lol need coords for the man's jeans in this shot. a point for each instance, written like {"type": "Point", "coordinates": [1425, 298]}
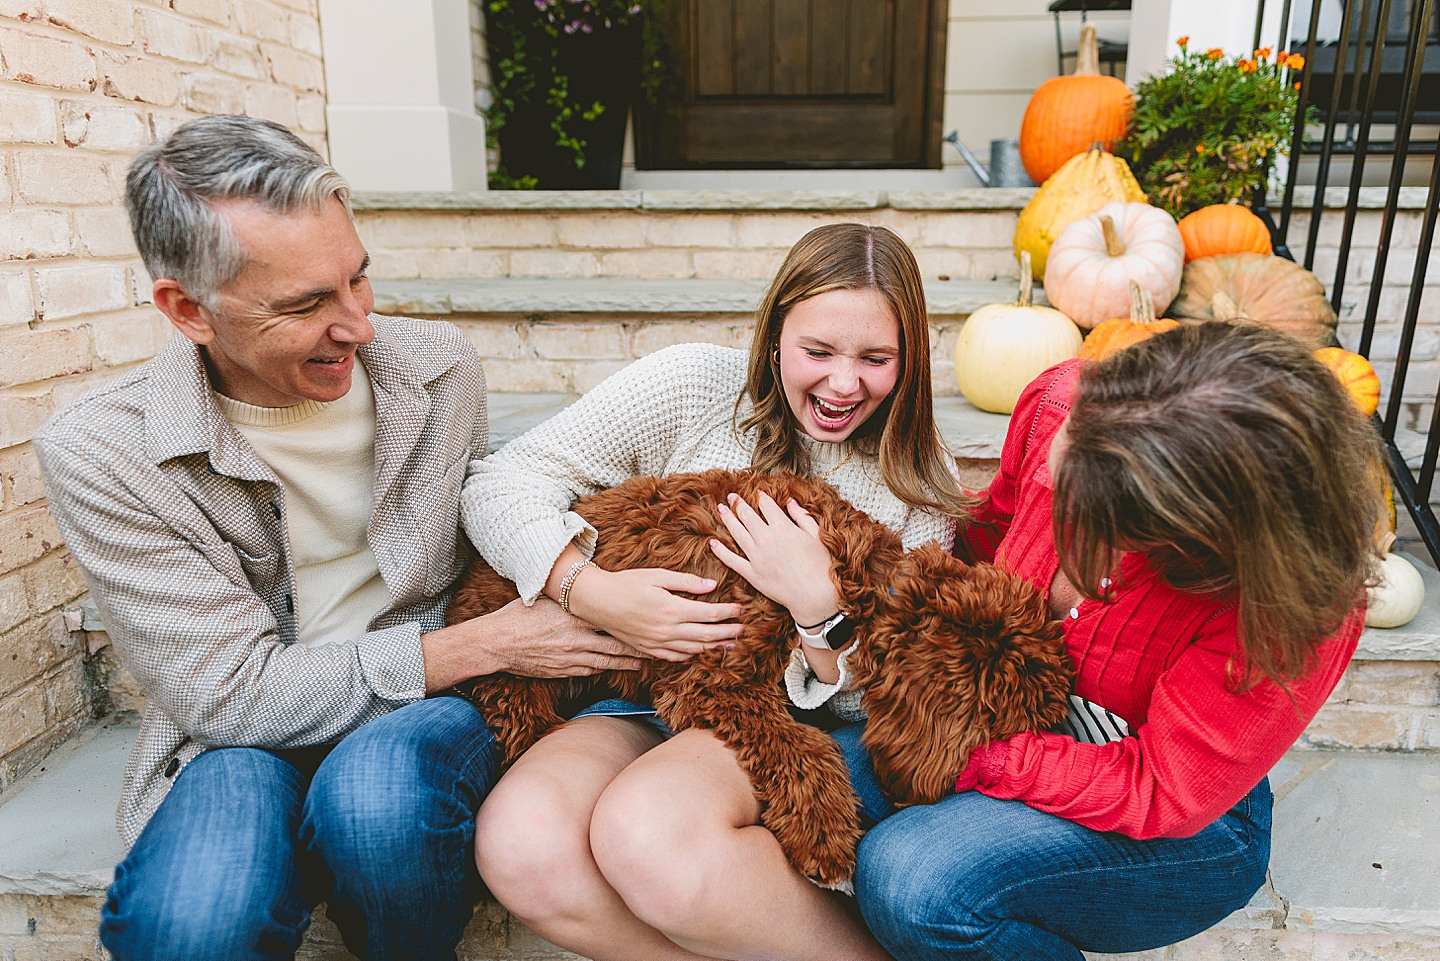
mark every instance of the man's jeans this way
{"type": "Point", "coordinates": [247, 842]}
{"type": "Point", "coordinates": [973, 877]}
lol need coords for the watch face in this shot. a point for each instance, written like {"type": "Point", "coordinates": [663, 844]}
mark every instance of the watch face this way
{"type": "Point", "coordinates": [838, 637]}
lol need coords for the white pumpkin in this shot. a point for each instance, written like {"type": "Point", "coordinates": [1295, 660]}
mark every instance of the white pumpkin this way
{"type": "Point", "coordinates": [1003, 347]}
{"type": "Point", "coordinates": [1397, 596]}
{"type": "Point", "coordinates": [1092, 262]}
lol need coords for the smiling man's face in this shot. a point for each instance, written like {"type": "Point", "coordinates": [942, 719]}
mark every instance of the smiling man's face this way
{"type": "Point", "coordinates": [287, 329]}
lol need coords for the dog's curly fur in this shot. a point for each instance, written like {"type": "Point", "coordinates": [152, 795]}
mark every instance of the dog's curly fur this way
{"type": "Point", "coordinates": [950, 656]}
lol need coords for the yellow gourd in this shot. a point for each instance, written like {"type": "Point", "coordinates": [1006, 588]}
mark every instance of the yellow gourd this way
{"type": "Point", "coordinates": [1003, 347]}
{"type": "Point", "coordinates": [1084, 184]}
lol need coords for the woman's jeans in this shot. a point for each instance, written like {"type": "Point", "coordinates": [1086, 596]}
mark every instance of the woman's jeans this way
{"type": "Point", "coordinates": [973, 877]}
{"type": "Point", "coordinates": [248, 841]}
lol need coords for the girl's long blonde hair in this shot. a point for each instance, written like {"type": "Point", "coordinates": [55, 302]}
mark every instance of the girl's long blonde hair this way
{"type": "Point", "coordinates": [913, 460]}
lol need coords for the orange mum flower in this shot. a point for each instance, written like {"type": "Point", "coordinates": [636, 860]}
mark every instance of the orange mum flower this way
{"type": "Point", "coordinates": [1297, 85]}
{"type": "Point", "coordinates": [1199, 148]}
{"type": "Point", "coordinates": [1262, 54]}
{"type": "Point", "coordinates": [1296, 62]}
{"type": "Point", "coordinates": [1281, 60]}
{"type": "Point", "coordinates": [1247, 66]}
{"type": "Point", "coordinates": [1183, 41]}
{"type": "Point", "coordinates": [1214, 53]}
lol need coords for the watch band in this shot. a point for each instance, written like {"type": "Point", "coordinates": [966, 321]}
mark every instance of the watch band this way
{"type": "Point", "coordinates": [833, 634]}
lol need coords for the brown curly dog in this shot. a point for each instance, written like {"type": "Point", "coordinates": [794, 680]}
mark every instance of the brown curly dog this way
{"type": "Point", "coordinates": [950, 656]}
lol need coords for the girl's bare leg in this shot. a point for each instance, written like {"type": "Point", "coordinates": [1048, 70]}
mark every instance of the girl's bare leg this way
{"type": "Point", "coordinates": [532, 842]}
{"type": "Point", "coordinates": [678, 835]}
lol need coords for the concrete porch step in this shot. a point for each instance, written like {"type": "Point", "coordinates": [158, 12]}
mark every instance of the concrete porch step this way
{"type": "Point", "coordinates": [567, 334]}
{"type": "Point", "coordinates": [1353, 868]}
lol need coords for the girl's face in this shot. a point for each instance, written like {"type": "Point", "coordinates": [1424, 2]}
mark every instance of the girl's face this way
{"type": "Point", "coordinates": [839, 360]}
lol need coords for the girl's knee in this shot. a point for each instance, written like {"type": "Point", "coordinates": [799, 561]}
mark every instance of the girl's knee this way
{"type": "Point", "coordinates": [532, 849]}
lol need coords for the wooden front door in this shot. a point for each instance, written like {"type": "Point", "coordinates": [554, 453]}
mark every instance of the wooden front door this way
{"type": "Point", "coordinates": [799, 83]}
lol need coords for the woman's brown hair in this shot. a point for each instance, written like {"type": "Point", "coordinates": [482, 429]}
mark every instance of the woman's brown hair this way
{"type": "Point", "coordinates": [1237, 462]}
{"type": "Point", "coordinates": [913, 460]}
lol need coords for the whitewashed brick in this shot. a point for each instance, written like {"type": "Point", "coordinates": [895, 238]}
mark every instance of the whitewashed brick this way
{"type": "Point", "coordinates": [20, 471]}
{"type": "Point", "coordinates": [739, 264]}
{"type": "Point", "coordinates": [22, 718]}
{"type": "Point", "coordinates": [648, 338]}
{"type": "Point", "coordinates": [32, 356]}
{"type": "Point", "coordinates": [305, 34]}
{"type": "Point", "coordinates": [129, 337]}
{"type": "Point", "coordinates": [529, 375]}
{"type": "Point", "coordinates": [26, 118]}
{"type": "Point", "coordinates": [256, 18]}
{"type": "Point", "coordinates": [104, 232]}
{"type": "Point", "coordinates": [75, 291]}
{"type": "Point", "coordinates": [652, 264]}
{"type": "Point", "coordinates": [215, 11]}
{"type": "Point", "coordinates": [140, 78]}
{"type": "Point", "coordinates": [64, 178]}
{"type": "Point", "coordinates": [505, 230]}
{"type": "Point", "coordinates": [31, 232]}
{"type": "Point", "coordinates": [777, 230]}
{"type": "Point", "coordinates": [492, 340]}
{"type": "Point", "coordinates": [578, 341]}
{"type": "Point", "coordinates": [176, 38]}
{"type": "Point", "coordinates": [207, 93]}
{"type": "Point", "coordinates": [100, 126]}
{"type": "Point", "coordinates": [25, 536]}
{"type": "Point", "coordinates": [311, 111]}
{"type": "Point", "coordinates": [299, 6]}
{"type": "Point", "coordinates": [414, 231]}
{"type": "Point", "coordinates": [690, 230]}
{"type": "Point", "coordinates": [165, 122]}
{"type": "Point", "coordinates": [240, 56]}
{"type": "Point", "coordinates": [20, 9]}
{"type": "Point", "coordinates": [142, 285]}
{"type": "Point", "coordinates": [22, 412]}
{"type": "Point", "coordinates": [46, 61]}
{"type": "Point", "coordinates": [969, 229]}
{"type": "Point", "coordinates": [552, 263]}
{"type": "Point", "coordinates": [110, 20]}
{"type": "Point", "coordinates": [294, 69]}
{"type": "Point", "coordinates": [600, 230]}
{"type": "Point", "coordinates": [14, 600]}
{"type": "Point", "coordinates": [7, 179]}
{"type": "Point", "coordinates": [589, 373]}
{"type": "Point", "coordinates": [52, 581]}
{"type": "Point", "coordinates": [270, 102]}
{"type": "Point", "coordinates": [16, 304]}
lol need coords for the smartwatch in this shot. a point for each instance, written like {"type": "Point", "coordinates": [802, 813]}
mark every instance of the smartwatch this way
{"type": "Point", "coordinates": [833, 635]}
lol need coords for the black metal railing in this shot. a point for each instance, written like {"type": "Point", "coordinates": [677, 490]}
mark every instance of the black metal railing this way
{"type": "Point", "coordinates": [1381, 69]}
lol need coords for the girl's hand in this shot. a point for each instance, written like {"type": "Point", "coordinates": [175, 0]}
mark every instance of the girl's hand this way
{"type": "Point", "coordinates": [782, 556]}
{"type": "Point", "coordinates": [642, 609]}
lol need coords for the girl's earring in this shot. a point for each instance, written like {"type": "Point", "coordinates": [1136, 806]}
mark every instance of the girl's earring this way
{"type": "Point", "coordinates": [775, 357]}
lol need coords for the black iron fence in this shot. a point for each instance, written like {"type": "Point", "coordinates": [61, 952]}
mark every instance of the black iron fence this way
{"type": "Point", "coordinates": [1374, 83]}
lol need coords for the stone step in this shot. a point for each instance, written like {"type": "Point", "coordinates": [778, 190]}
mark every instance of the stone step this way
{"type": "Point", "coordinates": [567, 334]}
{"type": "Point", "coordinates": [1353, 872]}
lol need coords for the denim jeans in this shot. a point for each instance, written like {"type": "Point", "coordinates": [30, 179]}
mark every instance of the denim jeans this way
{"type": "Point", "coordinates": [974, 877]}
{"type": "Point", "coordinates": [248, 841]}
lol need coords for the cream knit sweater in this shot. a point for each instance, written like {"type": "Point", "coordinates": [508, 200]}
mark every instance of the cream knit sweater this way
{"type": "Point", "coordinates": [668, 413]}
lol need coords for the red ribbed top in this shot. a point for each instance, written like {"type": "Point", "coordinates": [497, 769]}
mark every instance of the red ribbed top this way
{"type": "Point", "coordinates": [1160, 658]}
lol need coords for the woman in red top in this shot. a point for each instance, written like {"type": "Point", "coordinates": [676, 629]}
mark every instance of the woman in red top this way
{"type": "Point", "coordinates": [1200, 511]}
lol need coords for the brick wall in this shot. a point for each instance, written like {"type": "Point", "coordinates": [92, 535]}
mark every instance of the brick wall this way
{"type": "Point", "coordinates": [83, 85]}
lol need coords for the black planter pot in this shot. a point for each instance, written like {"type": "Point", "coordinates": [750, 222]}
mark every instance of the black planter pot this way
{"type": "Point", "coordinates": [604, 67]}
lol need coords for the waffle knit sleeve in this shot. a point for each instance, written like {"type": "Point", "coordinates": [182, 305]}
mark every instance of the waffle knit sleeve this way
{"type": "Point", "coordinates": [516, 503]}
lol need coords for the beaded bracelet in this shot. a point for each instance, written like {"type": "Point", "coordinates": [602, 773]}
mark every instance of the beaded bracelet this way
{"type": "Point", "coordinates": [569, 582]}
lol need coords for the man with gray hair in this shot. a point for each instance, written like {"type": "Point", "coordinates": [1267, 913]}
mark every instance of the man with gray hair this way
{"type": "Point", "coordinates": [267, 517]}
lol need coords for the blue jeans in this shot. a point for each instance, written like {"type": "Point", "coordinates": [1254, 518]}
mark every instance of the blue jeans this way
{"type": "Point", "coordinates": [248, 841]}
{"type": "Point", "coordinates": [973, 877]}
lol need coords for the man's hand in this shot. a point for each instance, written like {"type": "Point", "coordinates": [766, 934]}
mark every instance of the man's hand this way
{"type": "Point", "coordinates": [538, 641]}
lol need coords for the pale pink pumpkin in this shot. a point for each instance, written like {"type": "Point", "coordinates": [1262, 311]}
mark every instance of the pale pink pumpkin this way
{"type": "Point", "coordinates": [1091, 264]}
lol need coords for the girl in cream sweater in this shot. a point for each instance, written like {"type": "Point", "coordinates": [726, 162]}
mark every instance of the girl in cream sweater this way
{"type": "Point", "coordinates": [609, 838]}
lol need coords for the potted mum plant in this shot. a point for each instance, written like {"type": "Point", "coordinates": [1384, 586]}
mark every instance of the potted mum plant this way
{"type": "Point", "coordinates": [1209, 129]}
{"type": "Point", "coordinates": [563, 76]}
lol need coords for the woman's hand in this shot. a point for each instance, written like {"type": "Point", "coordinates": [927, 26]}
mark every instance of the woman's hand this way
{"type": "Point", "coordinates": [782, 556]}
{"type": "Point", "coordinates": [643, 609]}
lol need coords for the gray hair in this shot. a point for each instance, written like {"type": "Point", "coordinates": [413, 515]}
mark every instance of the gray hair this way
{"type": "Point", "coordinates": [173, 185]}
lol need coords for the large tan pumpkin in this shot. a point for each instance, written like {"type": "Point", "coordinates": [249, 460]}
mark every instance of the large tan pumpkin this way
{"type": "Point", "coordinates": [1068, 114]}
{"type": "Point", "coordinates": [1268, 290]}
{"type": "Point", "coordinates": [1079, 188]}
{"type": "Point", "coordinates": [1096, 258]}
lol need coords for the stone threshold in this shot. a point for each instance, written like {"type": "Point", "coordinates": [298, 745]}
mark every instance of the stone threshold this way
{"type": "Point", "coordinates": [628, 295]}
{"type": "Point", "coordinates": [972, 198]}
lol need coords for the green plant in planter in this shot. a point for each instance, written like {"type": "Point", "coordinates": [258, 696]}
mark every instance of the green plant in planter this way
{"type": "Point", "coordinates": [564, 71]}
{"type": "Point", "coordinates": [1208, 130]}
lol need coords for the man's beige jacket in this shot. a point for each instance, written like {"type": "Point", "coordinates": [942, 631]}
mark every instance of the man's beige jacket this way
{"type": "Point", "coordinates": [180, 530]}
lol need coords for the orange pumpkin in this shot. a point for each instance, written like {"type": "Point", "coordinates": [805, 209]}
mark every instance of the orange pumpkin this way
{"type": "Point", "coordinates": [1067, 114]}
{"type": "Point", "coordinates": [1113, 336]}
{"type": "Point", "coordinates": [1223, 229]}
{"type": "Point", "coordinates": [1355, 372]}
